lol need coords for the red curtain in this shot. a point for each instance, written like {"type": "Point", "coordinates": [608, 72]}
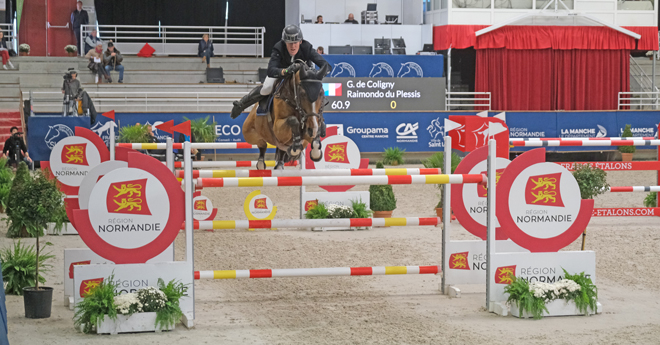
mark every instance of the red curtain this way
{"type": "Point", "coordinates": [547, 79]}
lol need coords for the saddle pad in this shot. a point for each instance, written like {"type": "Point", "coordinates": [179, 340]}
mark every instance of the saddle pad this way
{"type": "Point", "coordinates": [263, 111]}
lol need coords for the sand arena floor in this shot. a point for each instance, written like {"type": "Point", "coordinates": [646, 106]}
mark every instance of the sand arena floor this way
{"type": "Point", "coordinates": [376, 310]}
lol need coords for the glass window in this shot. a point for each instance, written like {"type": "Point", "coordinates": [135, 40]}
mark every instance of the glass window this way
{"type": "Point", "coordinates": [471, 3]}
{"type": "Point", "coordinates": [436, 5]}
{"type": "Point", "coordinates": [645, 5]}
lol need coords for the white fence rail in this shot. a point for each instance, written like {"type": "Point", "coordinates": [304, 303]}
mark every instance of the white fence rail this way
{"type": "Point", "coordinates": [10, 35]}
{"type": "Point", "coordinates": [639, 100]}
{"type": "Point", "coordinates": [467, 100]}
{"type": "Point", "coordinates": [181, 40]}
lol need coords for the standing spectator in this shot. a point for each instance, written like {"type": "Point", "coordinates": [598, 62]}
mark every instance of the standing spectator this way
{"type": "Point", "coordinates": [112, 60]}
{"type": "Point", "coordinates": [78, 17]}
{"type": "Point", "coordinates": [4, 51]}
{"type": "Point", "coordinates": [91, 41]}
{"type": "Point", "coordinates": [15, 149]}
{"type": "Point", "coordinates": [95, 65]}
{"type": "Point", "coordinates": [351, 19]}
{"type": "Point", "coordinates": [319, 50]}
{"type": "Point", "coordinates": [319, 19]}
{"type": "Point", "coordinates": [205, 50]}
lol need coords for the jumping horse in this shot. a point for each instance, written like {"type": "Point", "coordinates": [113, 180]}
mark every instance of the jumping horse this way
{"type": "Point", "coordinates": [294, 120]}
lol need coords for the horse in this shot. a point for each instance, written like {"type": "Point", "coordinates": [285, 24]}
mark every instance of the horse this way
{"type": "Point", "coordinates": [294, 120]}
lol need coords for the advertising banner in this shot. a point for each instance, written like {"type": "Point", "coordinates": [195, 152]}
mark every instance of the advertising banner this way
{"type": "Point", "coordinates": [386, 66]}
{"type": "Point", "coordinates": [46, 131]}
{"type": "Point", "coordinates": [467, 260]}
{"type": "Point", "coordinates": [384, 94]}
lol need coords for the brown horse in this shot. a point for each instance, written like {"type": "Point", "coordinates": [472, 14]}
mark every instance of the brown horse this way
{"type": "Point", "coordinates": [295, 120]}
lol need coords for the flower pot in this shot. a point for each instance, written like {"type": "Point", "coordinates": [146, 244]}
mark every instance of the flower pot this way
{"type": "Point", "coordinates": [383, 214]}
{"type": "Point", "coordinates": [23, 53]}
{"type": "Point", "coordinates": [72, 54]}
{"type": "Point", "coordinates": [626, 157]}
{"type": "Point", "coordinates": [558, 307]}
{"type": "Point", "coordinates": [37, 302]}
{"type": "Point", "coordinates": [139, 322]}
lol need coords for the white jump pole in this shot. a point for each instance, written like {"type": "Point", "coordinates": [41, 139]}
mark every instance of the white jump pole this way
{"type": "Point", "coordinates": [112, 142]}
{"type": "Point", "coordinates": [446, 213]}
{"type": "Point", "coordinates": [490, 218]}
{"type": "Point", "coordinates": [188, 183]}
{"type": "Point", "coordinates": [169, 154]}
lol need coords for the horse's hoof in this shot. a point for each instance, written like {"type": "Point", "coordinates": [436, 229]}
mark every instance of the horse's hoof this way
{"type": "Point", "coordinates": [279, 166]}
{"type": "Point", "coordinates": [316, 145]}
{"type": "Point", "coordinates": [295, 150]}
{"type": "Point", "coordinates": [261, 165]}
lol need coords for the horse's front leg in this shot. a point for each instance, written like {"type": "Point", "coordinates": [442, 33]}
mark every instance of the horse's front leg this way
{"type": "Point", "coordinates": [279, 158]}
{"type": "Point", "coordinates": [261, 162]}
{"type": "Point", "coordinates": [296, 147]}
{"type": "Point", "coordinates": [316, 154]}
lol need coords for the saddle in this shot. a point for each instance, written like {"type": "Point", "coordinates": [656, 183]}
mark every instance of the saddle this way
{"type": "Point", "coordinates": [266, 105]}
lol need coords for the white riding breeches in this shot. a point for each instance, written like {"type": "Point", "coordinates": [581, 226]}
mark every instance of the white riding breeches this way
{"type": "Point", "coordinates": [267, 87]}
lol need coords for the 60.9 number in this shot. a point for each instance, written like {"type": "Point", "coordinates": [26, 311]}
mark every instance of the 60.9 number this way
{"type": "Point", "coordinates": [340, 105]}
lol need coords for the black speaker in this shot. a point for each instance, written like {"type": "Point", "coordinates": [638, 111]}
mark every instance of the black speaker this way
{"type": "Point", "coordinates": [263, 73]}
{"type": "Point", "coordinates": [215, 75]}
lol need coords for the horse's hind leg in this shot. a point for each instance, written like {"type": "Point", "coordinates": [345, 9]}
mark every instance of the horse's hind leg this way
{"type": "Point", "coordinates": [279, 158]}
{"type": "Point", "coordinates": [296, 147]}
{"type": "Point", "coordinates": [261, 162]}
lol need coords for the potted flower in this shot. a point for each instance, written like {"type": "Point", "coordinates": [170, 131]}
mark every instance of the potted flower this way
{"type": "Point", "coordinates": [650, 54]}
{"type": "Point", "coordinates": [19, 267]}
{"type": "Point", "coordinates": [149, 309]}
{"type": "Point", "coordinates": [393, 156]}
{"type": "Point", "coordinates": [358, 209]}
{"type": "Point", "coordinates": [437, 160]}
{"type": "Point", "coordinates": [627, 151]}
{"type": "Point", "coordinates": [381, 199]}
{"type": "Point", "coordinates": [71, 50]}
{"type": "Point", "coordinates": [574, 295]}
{"type": "Point", "coordinates": [202, 132]}
{"type": "Point", "coordinates": [24, 49]}
{"type": "Point", "coordinates": [29, 210]}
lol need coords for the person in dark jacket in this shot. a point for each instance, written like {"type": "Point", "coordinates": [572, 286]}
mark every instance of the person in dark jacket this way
{"type": "Point", "coordinates": [15, 149]}
{"type": "Point", "coordinates": [282, 63]}
{"type": "Point", "coordinates": [91, 41]}
{"type": "Point", "coordinates": [78, 17]}
{"type": "Point", "coordinates": [112, 60]}
{"type": "Point", "coordinates": [205, 50]}
{"type": "Point", "coordinates": [71, 87]}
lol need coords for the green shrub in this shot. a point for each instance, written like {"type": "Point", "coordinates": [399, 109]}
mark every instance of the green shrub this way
{"type": "Point", "coordinates": [319, 211]}
{"type": "Point", "coordinates": [360, 209]}
{"type": "Point", "coordinates": [381, 197]}
{"type": "Point", "coordinates": [393, 156]}
{"type": "Point", "coordinates": [32, 205]}
{"type": "Point", "coordinates": [171, 313]}
{"type": "Point", "coordinates": [592, 181]}
{"type": "Point", "coordinates": [99, 302]}
{"type": "Point", "coordinates": [6, 177]}
{"type": "Point", "coordinates": [626, 134]}
{"type": "Point", "coordinates": [134, 134]}
{"type": "Point", "coordinates": [651, 200]}
{"type": "Point", "coordinates": [19, 267]}
{"type": "Point", "coordinates": [437, 160]}
{"type": "Point", "coordinates": [202, 131]}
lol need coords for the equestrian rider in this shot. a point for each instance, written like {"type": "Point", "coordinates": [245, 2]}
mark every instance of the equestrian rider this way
{"type": "Point", "coordinates": [291, 48]}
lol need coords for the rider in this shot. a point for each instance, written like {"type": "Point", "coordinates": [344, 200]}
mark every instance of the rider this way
{"type": "Point", "coordinates": [282, 63]}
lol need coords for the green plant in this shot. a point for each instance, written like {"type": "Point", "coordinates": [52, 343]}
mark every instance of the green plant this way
{"type": "Point", "coordinates": [71, 48]}
{"type": "Point", "coordinates": [592, 181]}
{"type": "Point", "coordinates": [381, 197]}
{"type": "Point", "coordinates": [626, 134]}
{"type": "Point", "coordinates": [586, 298]}
{"type": "Point", "coordinates": [24, 47]}
{"type": "Point", "coordinates": [134, 134]}
{"type": "Point", "coordinates": [171, 312]}
{"type": "Point", "coordinates": [6, 177]}
{"type": "Point", "coordinates": [437, 160]}
{"type": "Point", "coordinates": [98, 302]}
{"type": "Point", "coordinates": [19, 267]}
{"type": "Point", "coordinates": [59, 217]}
{"type": "Point", "coordinates": [360, 209]}
{"type": "Point", "coordinates": [393, 156]}
{"type": "Point", "coordinates": [319, 211]}
{"type": "Point", "coordinates": [651, 199]}
{"type": "Point", "coordinates": [202, 131]}
{"type": "Point", "coordinates": [520, 293]}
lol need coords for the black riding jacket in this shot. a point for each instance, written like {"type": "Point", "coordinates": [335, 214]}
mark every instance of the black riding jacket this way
{"type": "Point", "coordinates": [280, 58]}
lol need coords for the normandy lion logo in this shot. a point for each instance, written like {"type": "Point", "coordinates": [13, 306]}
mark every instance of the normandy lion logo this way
{"type": "Point", "coordinates": [504, 275]}
{"type": "Point", "coordinates": [459, 261]}
{"type": "Point", "coordinates": [128, 197]}
{"type": "Point", "coordinates": [543, 190]}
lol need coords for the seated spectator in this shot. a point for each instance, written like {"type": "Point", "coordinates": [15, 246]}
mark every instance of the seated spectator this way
{"type": "Point", "coordinates": [15, 149]}
{"type": "Point", "coordinates": [319, 20]}
{"type": "Point", "coordinates": [205, 50]}
{"type": "Point", "coordinates": [112, 60]}
{"type": "Point", "coordinates": [91, 41]}
{"type": "Point", "coordinates": [319, 50]}
{"type": "Point", "coordinates": [72, 88]}
{"type": "Point", "coordinates": [351, 19]}
{"type": "Point", "coordinates": [95, 65]}
{"type": "Point", "coordinates": [4, 52]}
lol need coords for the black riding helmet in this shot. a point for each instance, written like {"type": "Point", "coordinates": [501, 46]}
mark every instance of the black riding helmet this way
{"type": "Point", "coordinates": [292, 34]}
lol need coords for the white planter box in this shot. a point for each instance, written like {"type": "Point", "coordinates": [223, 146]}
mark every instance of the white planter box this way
{"type": "Point", "coordinates": [337, 228]}
{"type": "Point", "coordinates": [140, 322]}
{"type": "Point", "coordinates": [558, 307]}
{"type": "Point", "coordinates": [67, 229]}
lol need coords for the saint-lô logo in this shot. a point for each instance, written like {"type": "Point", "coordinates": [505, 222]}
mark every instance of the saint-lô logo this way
{"type": "Point", "coordinates": [260, 204]}
{"type": "Point", "coordinates": [201, 205]}
{"type": "Point", "coordinates": [86, 262]}
{"type": "Point", "coordinates": [89, 284]}
{"type": "Point", "coordinates": [459, 261]}
{"type": "Point", "coordinates": [309, 204]}
{"type": "Point", "coordinates": [128, 197]}
{"type": "Point", "coordinates": [75, 154]}
{"type": "Point", "coordinates": [482, 191]}
{"type": "Point", "coordinates": [503, 275]}
{"type": "Point", "coordinates": [336, 153]}
{"type": "Point", "coordinates": [543, 190]}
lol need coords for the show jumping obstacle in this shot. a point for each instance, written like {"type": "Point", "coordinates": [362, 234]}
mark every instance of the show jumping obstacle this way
{"type": "Point", "coordinates": [310, 172]}
{"type": "Point", "coordinates": [634, 189]}
{"type": "Point", "coordinates": [313, 223]}
{"type": "Point", "coordinates": [583, 142]}
{"type": "Point", "coordinates": [318, 272]}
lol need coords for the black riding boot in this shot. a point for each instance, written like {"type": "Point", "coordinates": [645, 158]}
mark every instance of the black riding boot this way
{"type": "Point", "coordinates": [253, 97]}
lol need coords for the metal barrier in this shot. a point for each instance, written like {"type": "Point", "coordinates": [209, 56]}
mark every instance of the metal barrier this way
{"type": "Point", "coordinates": [141, 101]}
{"type": "Point", "coordinates": [10, 34]}
{"type": "Point", "coordinates": [181, 40]}
{"type": "Point", "coordinates": [638, 100]}
{"type": "Point", "coordinates": [467, 100]}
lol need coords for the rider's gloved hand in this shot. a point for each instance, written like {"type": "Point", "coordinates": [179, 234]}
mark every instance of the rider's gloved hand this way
{"type": "Point", "coordinates": [292, 69]}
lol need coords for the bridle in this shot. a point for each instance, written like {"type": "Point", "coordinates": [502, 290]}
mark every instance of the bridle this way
{"type": "Point", "coordinates": [300, 113]}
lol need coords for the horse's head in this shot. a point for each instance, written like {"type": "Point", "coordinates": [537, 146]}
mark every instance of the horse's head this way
{"type": "Point", "coordinates": [310, 95]}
